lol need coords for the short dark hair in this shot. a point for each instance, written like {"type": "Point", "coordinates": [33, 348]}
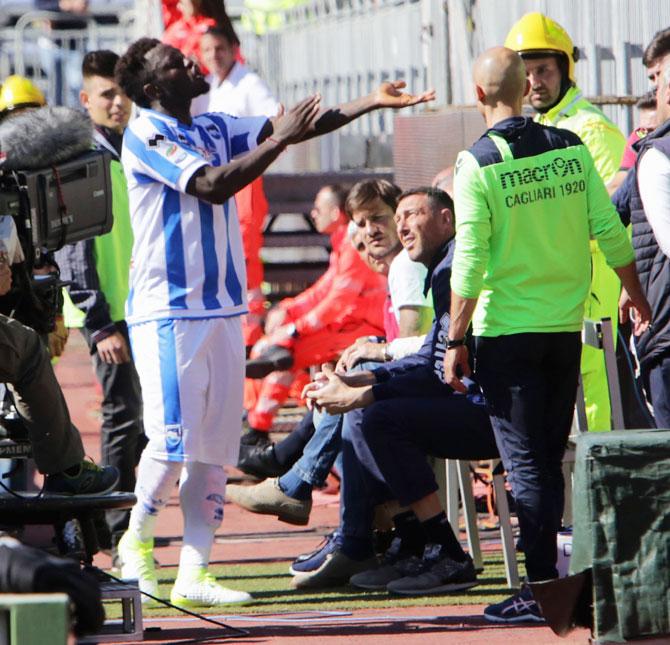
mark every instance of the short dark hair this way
{"type": "Point", "coordinates": [647, 101]}
{"type": "Point", "coordinates": [99, 63]}
{"type": "Point", "coordinates": [438, 198]}
{"type": "Point", "coordinates": [131, 71]}
{"type": "Point", "coordinates": [224, 31]}
{"type": "Point", "coordinates": [657, 48]}
{"type": "Point", "coordinates": [367, 191]}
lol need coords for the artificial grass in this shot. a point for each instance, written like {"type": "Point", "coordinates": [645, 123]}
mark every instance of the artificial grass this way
{"type": "Point", "coordinates": [269, 585]}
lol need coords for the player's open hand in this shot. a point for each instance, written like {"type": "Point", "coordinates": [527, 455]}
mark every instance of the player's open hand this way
{"type": "Point", "coordinates": [390, 94]}
{"type": "Point", "coordinates": [292, 126]}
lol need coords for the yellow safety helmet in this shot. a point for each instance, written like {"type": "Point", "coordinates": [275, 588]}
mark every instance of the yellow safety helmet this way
{"type": "Point", "coordinates": [19, 92]}
{"type": "Point", "coordinates": [538, 33]}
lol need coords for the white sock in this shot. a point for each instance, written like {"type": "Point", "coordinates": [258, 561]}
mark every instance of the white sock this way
{"type": "Point", "coordinates": [155, 480]}
{"type": "Point", "coordinates": [201, 494]}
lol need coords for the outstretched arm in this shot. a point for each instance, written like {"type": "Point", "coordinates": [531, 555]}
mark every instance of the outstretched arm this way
{"type": "Point", "coordinates": [388, 95]}
{"type": "Point", "coordinates": [216, 184]}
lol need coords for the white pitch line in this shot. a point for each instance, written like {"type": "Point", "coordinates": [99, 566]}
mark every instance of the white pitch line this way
{"type": "Point", "coordinates": [319, 617]}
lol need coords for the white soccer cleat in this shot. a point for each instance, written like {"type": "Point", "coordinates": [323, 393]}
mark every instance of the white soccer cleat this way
{"type": "Point", "coordinates": [137, 563]}
{"type": "Point", "coordinates": [202, 590]}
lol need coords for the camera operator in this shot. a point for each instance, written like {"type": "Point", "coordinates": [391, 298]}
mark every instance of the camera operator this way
{"type": "Point", "coordinates": [56, 443]}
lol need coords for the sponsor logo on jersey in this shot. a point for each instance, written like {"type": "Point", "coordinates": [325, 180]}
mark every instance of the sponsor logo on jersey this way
{"type": "Point", "coordinates": [559, 168]}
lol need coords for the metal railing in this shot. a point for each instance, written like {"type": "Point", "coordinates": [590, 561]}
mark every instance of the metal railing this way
{"type": "Point", "coordinates": [37, 48]}
{"type": "Point", "coordinates": [343, 48]}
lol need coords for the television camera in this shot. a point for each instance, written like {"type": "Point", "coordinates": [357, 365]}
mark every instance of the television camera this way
{"type": "Point", "coordinates": [57, 191]}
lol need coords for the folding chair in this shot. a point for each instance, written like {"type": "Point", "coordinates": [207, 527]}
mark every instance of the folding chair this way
{"type": "Point", "coordinates": [458, 479]}
{"type": "Point", "coordinates": [600, 335]}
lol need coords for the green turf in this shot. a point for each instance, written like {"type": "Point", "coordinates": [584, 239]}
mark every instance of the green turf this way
{"type": "Point", "coordinates": [269, 585]}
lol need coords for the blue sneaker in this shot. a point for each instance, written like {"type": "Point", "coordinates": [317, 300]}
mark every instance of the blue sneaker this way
{"type": "Point", "coordinates": [315, 559]}
{"type": "Point", "coordinates": [520, 608]}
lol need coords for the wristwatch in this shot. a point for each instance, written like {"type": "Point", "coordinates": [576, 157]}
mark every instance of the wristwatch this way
{"type": "Point", "coordinates": [458, 342]}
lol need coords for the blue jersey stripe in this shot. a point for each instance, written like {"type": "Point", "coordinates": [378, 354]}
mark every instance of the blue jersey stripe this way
{"type": "Point", "coordinates": [239, 143]}
{"type": "Point", "coordinates": [167, 352]}
{"type": "Point", "coordinates": [224, 132]}
{"type": "Point", "coordinates": [151, 158]}
{"type": "Point", "coordinates": [232, 280]}
{"type": "Point", "coordinates": [210, 287]}
{"type": "Point", "coordinates": [174, 249]}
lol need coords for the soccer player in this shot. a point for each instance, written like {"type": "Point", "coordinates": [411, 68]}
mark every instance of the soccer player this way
{"type": "Point", "coordinates": [187, 293]}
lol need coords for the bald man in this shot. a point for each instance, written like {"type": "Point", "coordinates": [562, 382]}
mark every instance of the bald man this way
{"type": "Point", "coordinates": [528, 197]}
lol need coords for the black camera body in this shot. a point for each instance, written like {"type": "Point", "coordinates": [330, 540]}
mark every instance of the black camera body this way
{"type": "Point", "coordinates": [51, 207]}
{"type": "Point", "coordinates": [60, 205]}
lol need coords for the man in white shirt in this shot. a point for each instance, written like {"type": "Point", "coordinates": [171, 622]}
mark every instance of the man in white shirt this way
{"type": "Point", "coordinates": [234, 88]}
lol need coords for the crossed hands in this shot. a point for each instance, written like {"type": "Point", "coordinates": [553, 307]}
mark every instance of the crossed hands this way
{"type": "Point", "coordinates": [336, 393]}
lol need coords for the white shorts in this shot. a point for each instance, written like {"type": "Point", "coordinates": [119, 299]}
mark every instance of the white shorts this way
{"type": "Point", "coordinates": [192, 378]}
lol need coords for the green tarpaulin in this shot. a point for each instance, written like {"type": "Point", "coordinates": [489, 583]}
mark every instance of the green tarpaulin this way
{"type": "Point", "coordinates": [621, 506]}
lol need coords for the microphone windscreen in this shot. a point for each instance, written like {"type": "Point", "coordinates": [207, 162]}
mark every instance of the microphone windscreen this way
{"type": "Point", "coordinates": [43, 137]}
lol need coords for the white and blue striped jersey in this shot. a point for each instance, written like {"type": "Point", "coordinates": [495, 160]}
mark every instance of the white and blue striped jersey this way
{"type": "Point", "coordinates": [188, 259]}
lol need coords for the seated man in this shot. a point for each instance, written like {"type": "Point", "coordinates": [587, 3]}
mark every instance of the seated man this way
{"type": "Point", "coordinates": [396, 415]}
{"type": "Point", "coordinates": [56, 444]}
{"type": "Point", "coordinates": [315, 326]}
{"type": "Point", "coordinates": [407, 313]}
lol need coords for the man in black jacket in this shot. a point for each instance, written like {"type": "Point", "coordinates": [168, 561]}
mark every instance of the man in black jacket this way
{"type": "Point", "coordinates": [411, 413]}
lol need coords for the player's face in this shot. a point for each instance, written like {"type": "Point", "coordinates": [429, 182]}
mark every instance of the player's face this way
{"type": "Point", "coordinates": [544, 75]}
{"type": "Point", "coordinates": [421, 231]}
{"type": "Point", "coordinates": [176, 76]}
{"type": "Point", "coordinates": [376, 221]}
{"type": "Point", "coordinates": [218, 54]}
{"type": "Point", "coordinates": [106, 103]}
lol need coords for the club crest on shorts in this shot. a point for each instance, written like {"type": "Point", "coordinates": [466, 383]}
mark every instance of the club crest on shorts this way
{"type": "Point", "coordinates": [174, 442]}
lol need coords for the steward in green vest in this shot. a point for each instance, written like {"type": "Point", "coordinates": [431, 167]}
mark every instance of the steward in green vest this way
{"type": "Point", "coordinates": [550, 57]}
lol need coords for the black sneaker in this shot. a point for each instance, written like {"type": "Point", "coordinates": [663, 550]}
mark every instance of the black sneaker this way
{"type": "Point", "coordinates": [436, 572]}
{"type": "Point", "coordinates": [90, 480]}
{"type": "Point", "coordinates": [250, 442]}
{"type": "Point", "coordinates": [274, 358]}
{"type": "Point", "coordinates": [260, 461]}
{"type": "Point", "coordinates": [253, 437]}
{"type": "Point", "coordinates": [313, 560]}
{"type": "Point", "coordinates": [396, 563]}
{"type": "Point", "coordinates": [520, 608]}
